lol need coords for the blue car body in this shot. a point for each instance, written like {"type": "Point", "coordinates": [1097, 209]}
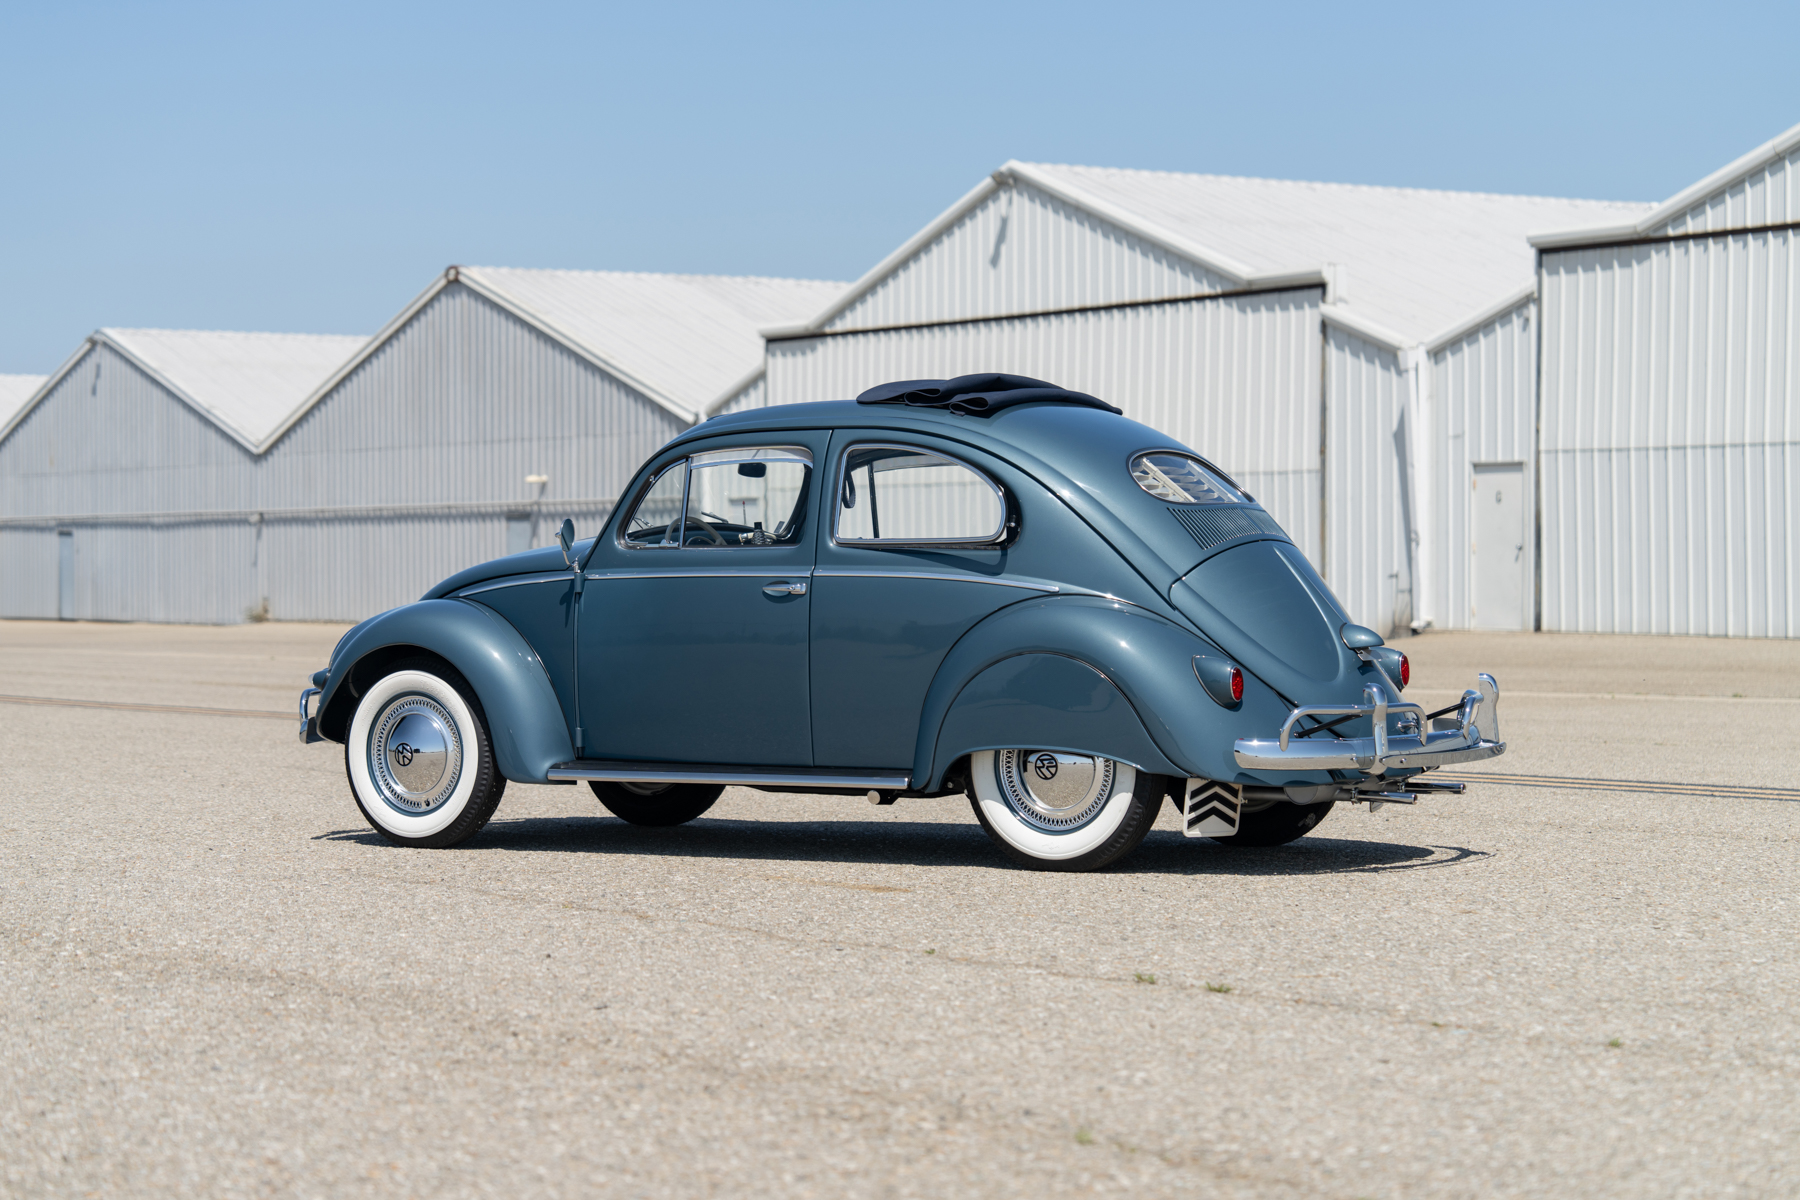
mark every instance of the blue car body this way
{"type": "Point", "coordinates": [1102, 620]}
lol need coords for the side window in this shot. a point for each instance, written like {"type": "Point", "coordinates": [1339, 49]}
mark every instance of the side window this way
{"type": "Point", "coordinates": [656, 521]}
{"type": "Point", "coordinates": [904, 495]}
{"type": "Point", "coordinates": [753, 496]}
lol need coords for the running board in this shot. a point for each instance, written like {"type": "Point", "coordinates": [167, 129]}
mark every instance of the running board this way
{"type": "Point", "coordinates": [763, 777]}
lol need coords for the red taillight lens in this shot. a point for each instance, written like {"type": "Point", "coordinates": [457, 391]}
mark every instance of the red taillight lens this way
{"type": "Point", "coordinates": [1405, 670]}
{"type": "Point", "coordinates": [1237, 684]}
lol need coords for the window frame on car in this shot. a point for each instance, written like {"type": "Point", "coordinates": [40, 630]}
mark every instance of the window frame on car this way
{"type": "Point", "coordinates": [724, 457]}
{"type": "Point", "coordinates": [1003, 535]}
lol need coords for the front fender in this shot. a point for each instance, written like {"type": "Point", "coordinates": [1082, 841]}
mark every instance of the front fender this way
{"type": "Point", "coordinates": [1147, 658]}
{"type": "Point", "coordinates": [527, 725]}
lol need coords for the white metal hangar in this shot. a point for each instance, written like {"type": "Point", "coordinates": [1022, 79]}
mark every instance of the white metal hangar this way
{"type": "Point", "coordinates": [218, 477]}
{"type": "Point", "coordinates": [495, 404]}
{"type": "Point", "coordinates": [1288, 330]}
{"type": "Point", "coordinates": [15, 390]}
{"type": "Point", "coordinates": [1670, 404]}
{"type": "Point", "coordinates": [128, 478]}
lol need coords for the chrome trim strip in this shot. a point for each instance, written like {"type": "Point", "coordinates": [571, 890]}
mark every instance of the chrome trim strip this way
{"type": "Point", "coordinates": [832, 573]}
{"type": "Point", "coordinates": [618, 772]}
{"type": "Point", "coordinates": [701, 573]}
{"type": "Point", "coordinates": [516, 581]}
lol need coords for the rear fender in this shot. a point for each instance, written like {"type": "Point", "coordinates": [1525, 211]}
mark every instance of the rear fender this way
{"type": "Point", "coordinates": [529, 730]}
{"type": "Point", "coordinates": [1052, 667]}
{"type": "Point", "coordinates": [1047, 702]}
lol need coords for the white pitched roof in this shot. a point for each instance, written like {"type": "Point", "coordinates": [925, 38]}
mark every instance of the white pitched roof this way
{"type": "Point", "coordinates": [15, 390]}
{"type": "Point", "coordinates": [245, 382]}
{"type": "Point", "coordinates": [1414, 260]}
{"type": "Point", "coordinates": [687, 339]}
{"type": "Point", "coordinates": [1401, 263]}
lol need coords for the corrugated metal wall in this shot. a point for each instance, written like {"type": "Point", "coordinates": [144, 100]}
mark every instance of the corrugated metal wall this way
{"type": "Point", "coordinates": [1671, 432]}
{"type": "Point", "coordinates": [1022, 250]}
{"type": "Point", "coordinates": [28, 566]}
{"type": "Point", "coordinates": [109, 439]}
{"type": "Point", "coordinates": [1481, 407]}
{"type": "Point", "coordinates": [1237, 378]}
{"type": "Point", "coordinates": [141, 481]}
{"type": "Point", "coordinates": [450, 414]}
{"type": "Point", "coordinates": [1371, 513]}
{"type": "Point", "coordinates": [1769, 195]}
{"type": "Point", "coordinates": [753, 395]}
{"type": "Point", "coordinates": [406, 472]}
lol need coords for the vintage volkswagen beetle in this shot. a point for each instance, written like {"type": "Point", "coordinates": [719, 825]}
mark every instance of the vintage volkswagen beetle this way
{"type": "Point", "coordinates": [985, 585]}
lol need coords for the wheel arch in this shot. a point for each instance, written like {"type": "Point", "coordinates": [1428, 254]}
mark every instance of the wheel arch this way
{"type": "Point", "coordinates": [1115, 671]}
{"type": "Point", "coordinates": [529, 730]}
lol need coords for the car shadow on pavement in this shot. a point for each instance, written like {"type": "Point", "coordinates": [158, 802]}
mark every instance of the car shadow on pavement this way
{"type": "Point", "coordinates": [929, 843]}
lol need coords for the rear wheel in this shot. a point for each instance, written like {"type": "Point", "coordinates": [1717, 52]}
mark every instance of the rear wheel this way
{"type": "Point", "coordinates": [656, 803]}
{"type": "Point", "coordinates": [420, 762]}
{"type": "Point", "coordinates": [1276, 824]}
{"type": "Point", "coordinates": [1062, 812]}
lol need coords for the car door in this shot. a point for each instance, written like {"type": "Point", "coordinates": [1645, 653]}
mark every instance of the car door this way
{"type": "Point", "coordinates": [914, 551]}
{"type": "Point", "coordinates": [692, 639]}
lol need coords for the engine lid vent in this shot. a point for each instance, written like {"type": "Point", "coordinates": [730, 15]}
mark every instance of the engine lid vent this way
{"type": "Point", "coordinates": [1212, 526]}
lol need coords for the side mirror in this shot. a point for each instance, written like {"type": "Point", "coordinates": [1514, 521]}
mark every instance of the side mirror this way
{"type": "Point", "coordinates": [565, 537]}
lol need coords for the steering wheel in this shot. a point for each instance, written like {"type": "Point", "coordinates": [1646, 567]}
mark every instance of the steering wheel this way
{"type": "Point", "coordinates": [710, 531]}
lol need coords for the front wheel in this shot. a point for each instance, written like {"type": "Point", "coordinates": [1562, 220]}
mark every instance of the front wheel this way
{"type": "Point", "coordinates": [420, 762]}
{"type": "Point", "coordinates": [1062, 812]}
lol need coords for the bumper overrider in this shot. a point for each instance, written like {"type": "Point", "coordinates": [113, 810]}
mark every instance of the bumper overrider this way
{"type": "Point", "coordinates": [1418, 741]}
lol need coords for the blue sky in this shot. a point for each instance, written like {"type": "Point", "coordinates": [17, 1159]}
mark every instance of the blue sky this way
{"type": "Point", "coordinates": [309, 168]}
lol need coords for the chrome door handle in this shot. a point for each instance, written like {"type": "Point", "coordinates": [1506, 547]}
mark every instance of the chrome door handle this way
{"type": "Point", "coordinates": [784, 588]}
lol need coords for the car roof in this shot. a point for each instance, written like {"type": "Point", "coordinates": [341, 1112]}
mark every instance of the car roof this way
{"type": "Point", "coordinates": [1072, 438]}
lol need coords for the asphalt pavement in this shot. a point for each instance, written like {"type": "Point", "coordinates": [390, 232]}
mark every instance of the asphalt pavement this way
{"type": "Point", "coordinates": [216, 981]}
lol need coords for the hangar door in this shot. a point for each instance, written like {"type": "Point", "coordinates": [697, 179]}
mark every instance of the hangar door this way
{"type": "Point", "coordinates": [1497, 540]}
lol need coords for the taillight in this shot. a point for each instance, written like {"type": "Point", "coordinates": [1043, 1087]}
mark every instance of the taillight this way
{"type": "Point", "coordinates": [1405, 670]}
{"type": "Point", "coordinates": [1222, 679]}
{"type": "Point", "coordinates": [1237, 681]}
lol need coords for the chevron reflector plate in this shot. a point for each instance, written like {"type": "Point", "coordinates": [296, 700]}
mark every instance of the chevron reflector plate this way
{"type": "Point", "coordinates": [1211, 808]}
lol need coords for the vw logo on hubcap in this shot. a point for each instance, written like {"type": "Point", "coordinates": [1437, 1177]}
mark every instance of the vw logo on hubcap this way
{"type": "Point", "coordinates": [1044, 765]}
{"type": "Point", "coordinates": [415, 754]}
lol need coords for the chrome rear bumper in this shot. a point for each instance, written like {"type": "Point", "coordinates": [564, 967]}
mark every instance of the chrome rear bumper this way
{"type": "Point", "coordinates": [1469, 736]}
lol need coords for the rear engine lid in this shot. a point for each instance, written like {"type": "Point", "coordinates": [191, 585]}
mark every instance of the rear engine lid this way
{"type": "Point", "coordinates": [1263, 603]}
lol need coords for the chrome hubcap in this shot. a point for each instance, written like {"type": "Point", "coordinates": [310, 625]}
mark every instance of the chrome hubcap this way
{"type": "Point", "coordinates": [1055, 792]}
{"type": "Point", "coordinates": [415, 757]}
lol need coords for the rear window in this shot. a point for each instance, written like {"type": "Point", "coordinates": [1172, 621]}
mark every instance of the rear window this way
{"type": "Point", "coordinates": [1183, 479]}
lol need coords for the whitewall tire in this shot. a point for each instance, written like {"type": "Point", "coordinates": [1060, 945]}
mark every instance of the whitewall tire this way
{"type": "Point", "coordinates": [1062, 812]}
{"type": "Point", "coordinates": [420, 763]}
